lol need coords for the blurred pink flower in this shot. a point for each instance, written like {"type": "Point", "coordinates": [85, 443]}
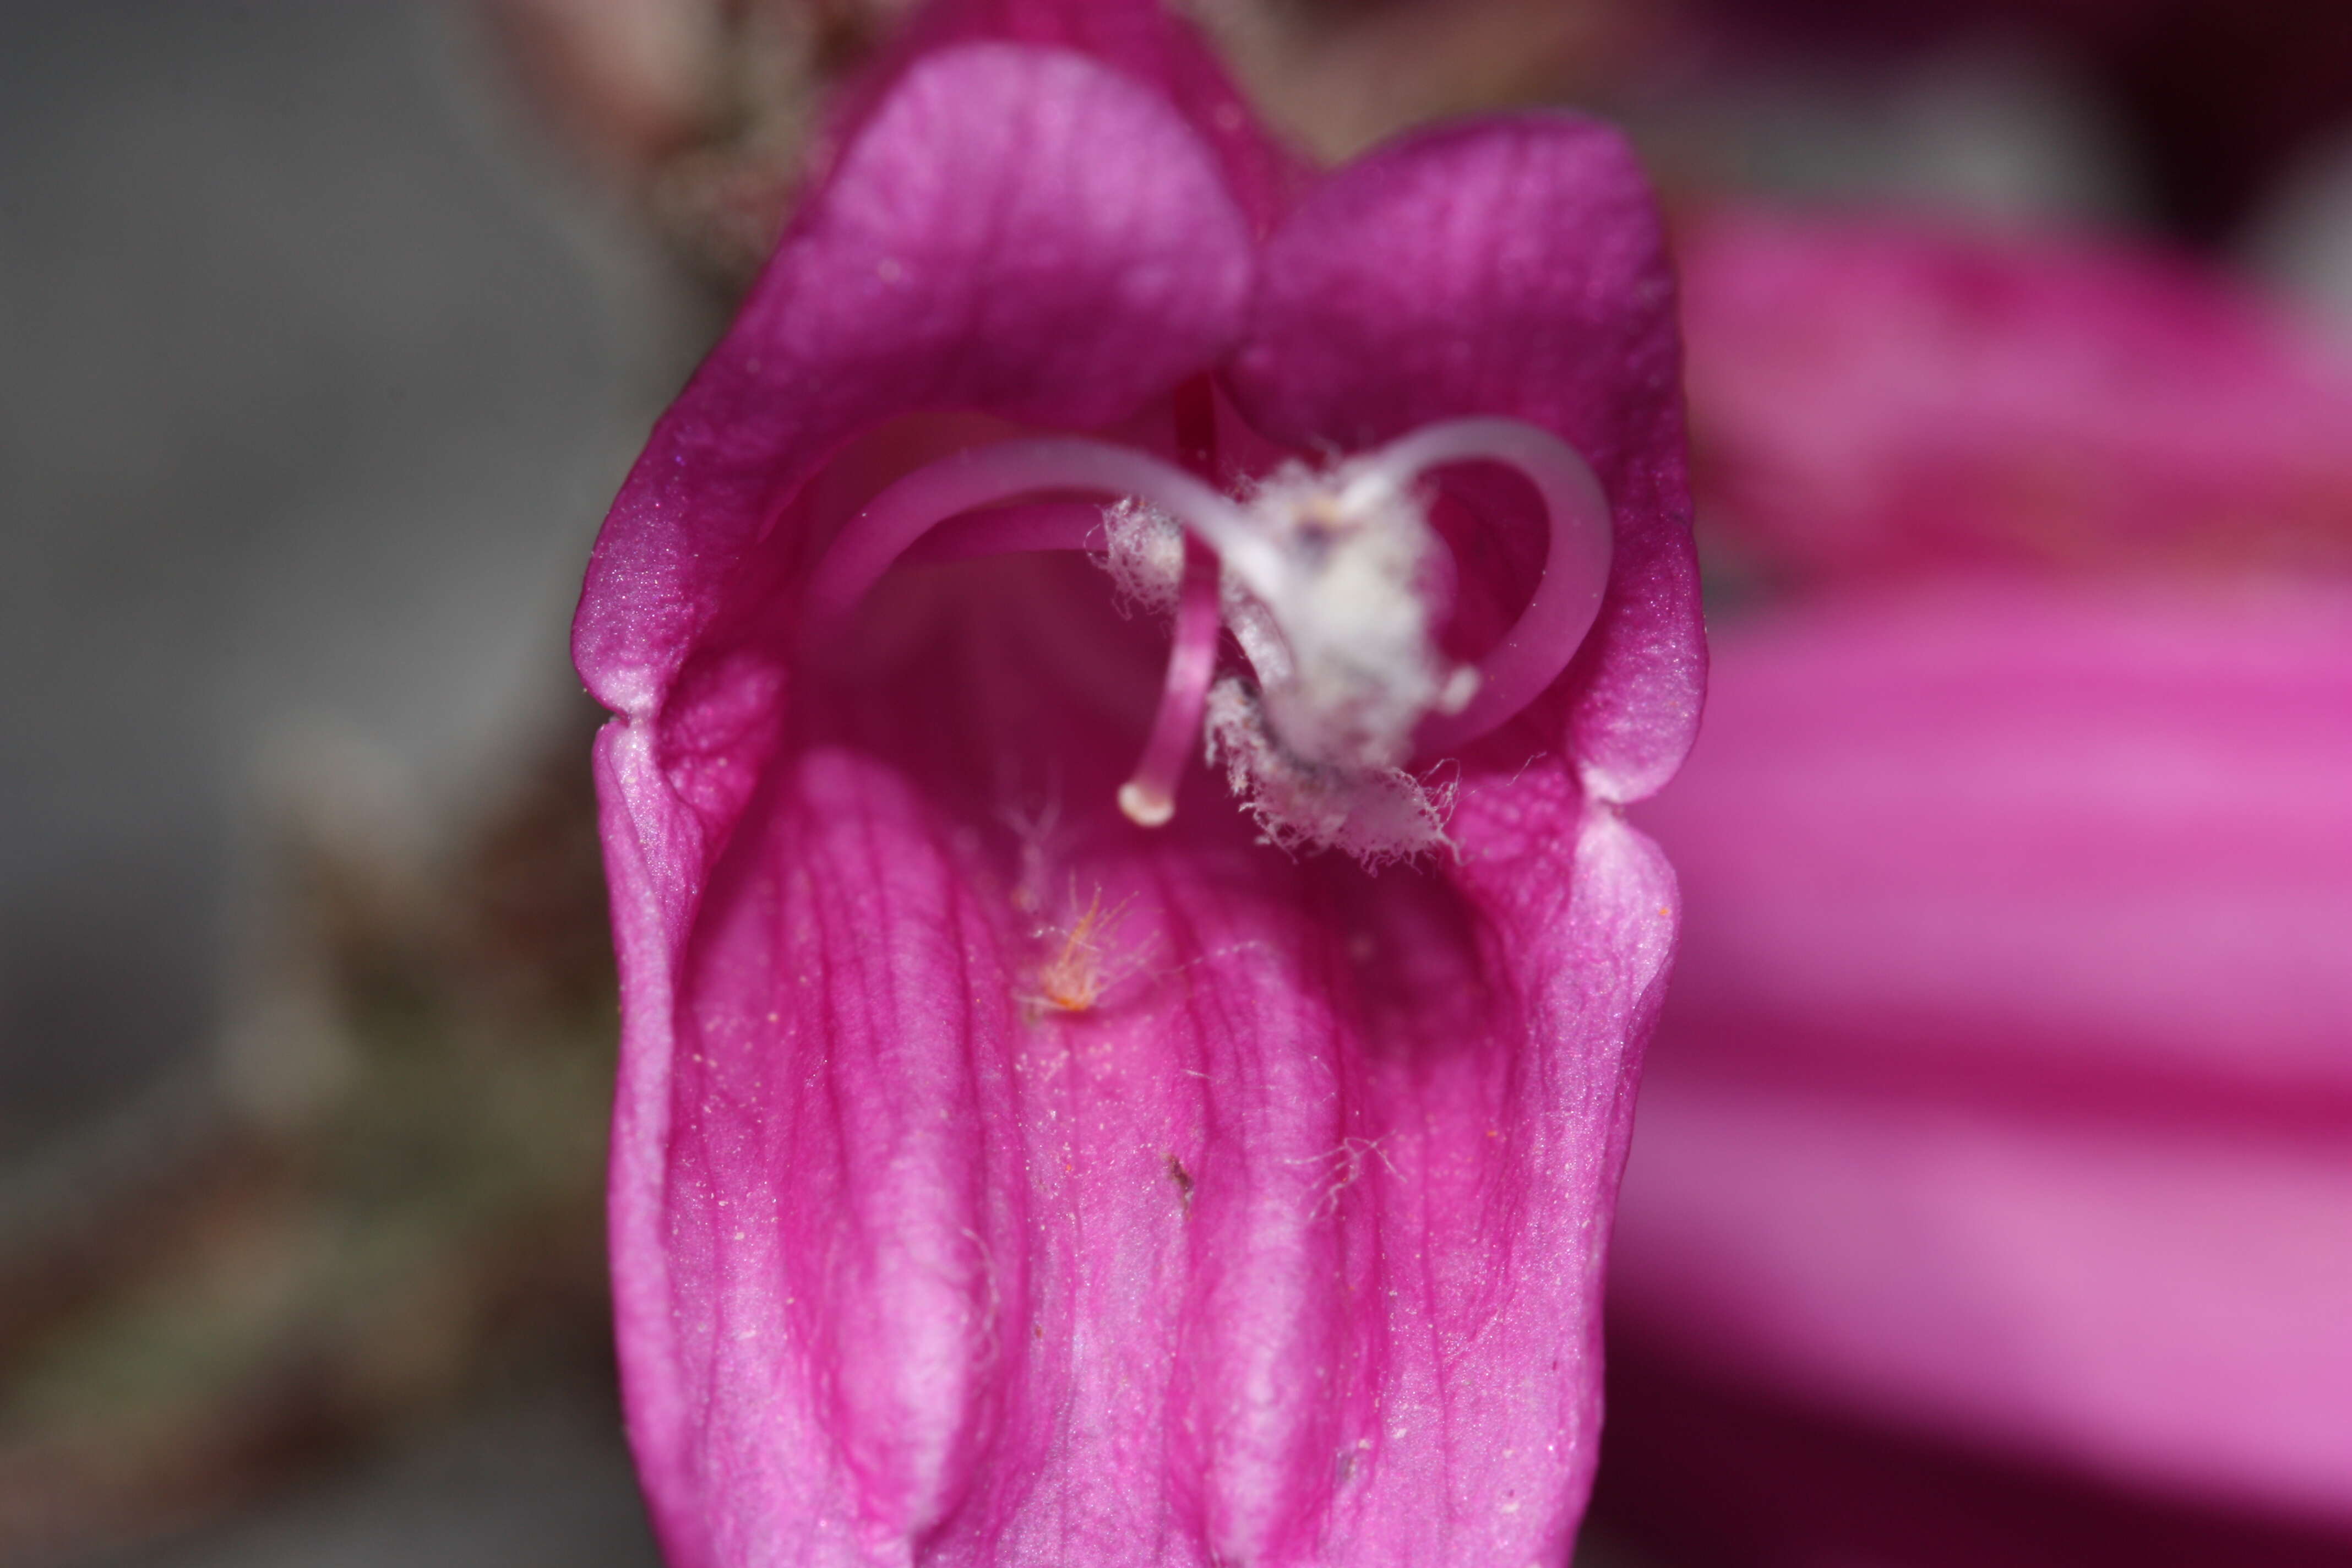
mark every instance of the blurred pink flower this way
{"type": "Point", "coordinates": [1993, 1200]}
{"type": "Point", "coordinates": [2005, 1092]}
{"type": "Point", "coordinates": [995, 1180]}
{"type": "Point", "coordinates": [1872, 395]}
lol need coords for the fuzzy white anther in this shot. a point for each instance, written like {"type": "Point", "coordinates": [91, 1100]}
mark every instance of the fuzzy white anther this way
{"type": "Point", "coordinates": [1341, 639]}
{"type": "Point", "coordinates": [1144, 554]}
{"type": "Point", "coordinates": [1376, 815]}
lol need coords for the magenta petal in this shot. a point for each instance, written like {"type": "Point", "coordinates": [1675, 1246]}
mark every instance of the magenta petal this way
{"type": "Point", "coordinates": [1289, 1257]}
{"type": "Point", "coordinates": [1140, 39]}
{"type": "Point", "coordinates": [2073, 836]}
{"type": "Point", "coordinates": [1513, 268]}
{"type": "Point", "coordinates": [1015, 230]}
{"type": "Point", "coordinates": [2160, 1306]}
{"type": "Point", "coordinates": [2005, 1089]}
{"type": "Point", "coordinates": [1871, 395]}
{"type": "Point", "coordinates": [1284, 1247]}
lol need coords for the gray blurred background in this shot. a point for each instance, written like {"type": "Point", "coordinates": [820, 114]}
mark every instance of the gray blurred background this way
{"type": "Point", "coordinates": [308, 411]}
{"type": "Point", "coordinates": [314, 378]}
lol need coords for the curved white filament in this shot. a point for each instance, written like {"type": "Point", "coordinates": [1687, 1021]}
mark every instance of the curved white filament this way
{"type": "Point", "coordinates": [1014, 470]}
{"type": "Point", "coordinates": [1529, 657]}
{"type": "Point", "coordinates": [1568, 596]}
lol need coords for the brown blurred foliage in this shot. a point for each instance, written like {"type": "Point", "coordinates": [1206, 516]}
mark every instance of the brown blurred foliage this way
{"type": "Point", "coordinates": [698, 111]}
{"type": "Point", "coordinates": [217, 1293]}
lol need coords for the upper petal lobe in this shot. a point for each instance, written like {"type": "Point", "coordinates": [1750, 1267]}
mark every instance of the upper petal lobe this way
{"type": "Point", "coordinates": [1513, 268]}
{"type": "Point", "coordinates": [1014, 230]}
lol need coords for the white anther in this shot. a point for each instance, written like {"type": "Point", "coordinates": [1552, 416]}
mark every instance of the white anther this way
{"type": "Point", "coordinates": [1377, 815]}
{"type": "Point", "coordinates": [1341, 638]}
{"type": "Point", "coordinates": [1144, 554]}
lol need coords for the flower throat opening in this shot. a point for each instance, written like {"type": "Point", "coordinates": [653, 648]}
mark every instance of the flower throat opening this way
{"type": "Point", "coordinates": [1330, 580]}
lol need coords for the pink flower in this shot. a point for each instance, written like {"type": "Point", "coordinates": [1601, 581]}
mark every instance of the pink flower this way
{"type": "Point", "coordinates": [1991, 1200]}
{"type": "Point", "coordinates": [996, 1179]}
{"type": "Point", "coordinates": [1876, 395]}
{"type": "Point", "coordinates": [2002, 1103]}
{"type": "Point", "coordinates": [2005, 1093]}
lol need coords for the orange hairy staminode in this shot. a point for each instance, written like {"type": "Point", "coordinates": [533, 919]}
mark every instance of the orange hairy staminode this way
{"type": "Point", "coordinates": [1079, 970]}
